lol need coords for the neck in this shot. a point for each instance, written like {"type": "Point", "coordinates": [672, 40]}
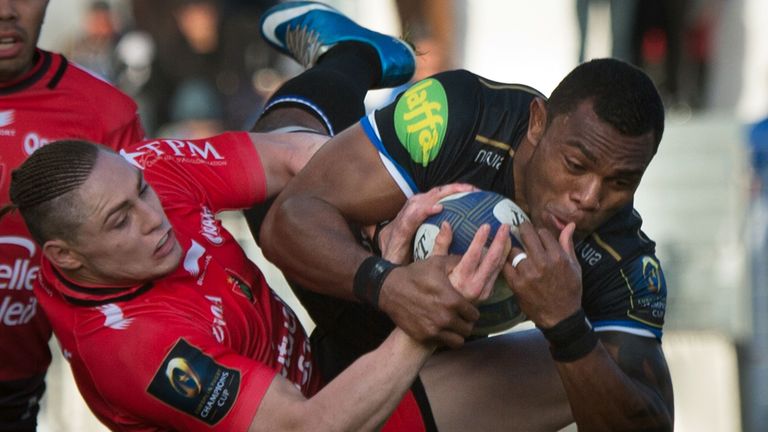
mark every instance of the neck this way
{"type": "Point", "coordinates": [85, 278]}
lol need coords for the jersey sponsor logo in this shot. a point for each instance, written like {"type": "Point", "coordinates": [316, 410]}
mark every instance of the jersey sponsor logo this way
{"type": "Point", "coordinates": [421, 120]}
{"type": "Point", "coordinates": [181, 150]}
{"type": "Point", "coordinates": [287, 348]}
{"type": "Point", "coordinates": [489, 158]}
{"type": "Point", "coordinates": [589, 255]}
{"type": "Point", "coordinates": [113, 317]}
{"type": "Point", "coordinates": [14, 313]}
{"type": "Point", "coordinates": [6, 119]}
{"type": "Point", "coordinates": [194, 383]}
{"type": "Point", "coordinates": [20, 274]}
{"type": "Point", "coordinates": [209, 228]}
{"type": "Point", "coordinates": [33, 142]}
{"type": "Point", "coordinates": [218, 327]}
{"type": "Point", "coordinates": [192, 258]}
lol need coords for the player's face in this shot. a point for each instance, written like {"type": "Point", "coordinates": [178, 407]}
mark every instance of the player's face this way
{"type": "Point", "coordinates": [583, 170]}
{"type": "Point", "coordinates": [20, 22]}
{"type": "Point", "coordinates": [125, 238]}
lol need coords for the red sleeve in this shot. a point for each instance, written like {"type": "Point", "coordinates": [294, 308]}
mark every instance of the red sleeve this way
{"type": "Point", "coordinates": [223, 172]}
{"type": "Point", "coordinates": [189, 383]}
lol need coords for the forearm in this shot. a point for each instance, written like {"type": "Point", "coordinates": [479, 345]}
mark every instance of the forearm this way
{"type": "Point", "coordinates": [360, 399]}
{"type": "Point", "coordinates": [310, 241]}
{"type": "Point", "coordinates": [603, 397]}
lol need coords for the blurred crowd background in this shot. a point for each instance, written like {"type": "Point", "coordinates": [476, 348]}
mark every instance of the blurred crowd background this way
{"type": "Point", "coordinates": [198, 67]}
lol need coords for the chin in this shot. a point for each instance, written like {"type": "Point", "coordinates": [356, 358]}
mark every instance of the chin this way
{"type": "Point", "coordinates": [169, 263]}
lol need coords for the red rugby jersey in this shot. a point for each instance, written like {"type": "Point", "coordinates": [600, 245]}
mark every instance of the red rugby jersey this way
{"type": "Point", "coordinates": [198, 348]}
{"type": "Point", "coordinates": [54, 100]}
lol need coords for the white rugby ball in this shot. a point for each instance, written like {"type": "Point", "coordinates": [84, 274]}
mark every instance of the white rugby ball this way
{"type": "Point", "coordinates": [466, 212]}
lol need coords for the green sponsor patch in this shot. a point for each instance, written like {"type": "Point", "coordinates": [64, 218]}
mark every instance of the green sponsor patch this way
{"type": "Point", "coordinates": [421, 117]}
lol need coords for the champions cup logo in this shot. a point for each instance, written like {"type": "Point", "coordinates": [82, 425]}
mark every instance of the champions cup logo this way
{"type": "Point", "coordinates": [652, 274]}
{"type": "Point", "coordinates": [182, 378]}
{"type": "Point", "coordinates": [420, 120]}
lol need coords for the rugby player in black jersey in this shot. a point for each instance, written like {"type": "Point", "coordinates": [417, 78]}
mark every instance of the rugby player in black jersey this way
{"type": "Point", "coordinates": [590, 280]}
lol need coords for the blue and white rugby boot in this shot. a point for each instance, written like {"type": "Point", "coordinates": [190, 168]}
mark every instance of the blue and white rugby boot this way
{"type": "Point", "coordinates": [305, 30]}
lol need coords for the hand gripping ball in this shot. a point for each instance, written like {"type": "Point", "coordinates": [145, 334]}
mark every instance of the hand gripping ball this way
{"type": "Point", "coordinates": [466, 212]}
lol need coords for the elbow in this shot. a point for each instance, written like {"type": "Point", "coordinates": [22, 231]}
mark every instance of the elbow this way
{"type": "Point", "coordinates": [657, 418]}
{"type": "Point", "coordinates": [269, 232]}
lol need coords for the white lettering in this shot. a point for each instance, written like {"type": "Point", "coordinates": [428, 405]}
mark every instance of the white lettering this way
{"type": "Point", "coordinates": [489, 158]}
{"type": "Point", "coordinates": [154, 146]}
{"type": "Point", "coordinates": [17, 313]}
{"type": "Point", "coordinates": [33, 141]}
{"type": "Point", "coordinates": [217, 390]}
{"type": "Point", "coordinates": [209, 228]}
{"type": "Point", "coordinates": [219, 324]}
{"type": "Point", "coordinates": [176, 146]}
{"type": "Point", "coordinates": [195, 150]}
{"type": "Point", "coordinates": [590, 255]}
{"type": "Point", "coordinates": [20, 275]}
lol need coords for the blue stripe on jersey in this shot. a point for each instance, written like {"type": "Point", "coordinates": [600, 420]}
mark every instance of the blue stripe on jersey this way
{"type": "Point", "coordinates": [627, 326]}
{"type": "Point", "coordinates": [370, 131]}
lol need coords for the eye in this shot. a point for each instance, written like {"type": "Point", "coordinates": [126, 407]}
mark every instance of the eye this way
{"type": "Point", "coordinates": [122, 222]}
{"type": "Point", "coordinates": [573, 165]}
{"type": "Point", "coordinates": [144, 189]}
{"type": "Point", "coordinates": [625, 183]}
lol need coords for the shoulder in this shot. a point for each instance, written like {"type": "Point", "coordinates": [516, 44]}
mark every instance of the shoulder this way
{"type": "Point", "coordinates": [615, 242]}
{"type": "Point", "coordinates": [104, 99]}
{"type": "Point", "coordinates": [624, 285]}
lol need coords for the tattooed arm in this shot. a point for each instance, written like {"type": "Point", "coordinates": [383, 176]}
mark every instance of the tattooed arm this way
{"type": "Point", "coordinates": [623, 384]}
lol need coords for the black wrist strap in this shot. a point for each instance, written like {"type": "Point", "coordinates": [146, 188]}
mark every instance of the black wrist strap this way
{"type": "Point", "coordinates": [571, 338]}
{"type": "Point", "coordinates": [369, 279]}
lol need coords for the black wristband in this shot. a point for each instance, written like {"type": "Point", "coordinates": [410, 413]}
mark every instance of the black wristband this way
{"type": "Point", "coordinates": [369, 279]}
{"type": "Point", "coordinates": [571, 338]}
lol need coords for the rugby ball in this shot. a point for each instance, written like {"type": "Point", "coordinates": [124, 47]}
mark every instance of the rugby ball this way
{"type": "Point", "coordinates": [466, 212]}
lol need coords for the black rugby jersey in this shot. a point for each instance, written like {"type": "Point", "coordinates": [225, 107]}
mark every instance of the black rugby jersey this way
{"type": "Point", "coordinates": [460, 127]}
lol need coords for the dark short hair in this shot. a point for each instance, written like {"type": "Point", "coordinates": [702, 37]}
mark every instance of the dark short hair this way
{"type": "Point", "coordinates": [43, 188]}
{"type": "Point", "coordinates": [622, 96]}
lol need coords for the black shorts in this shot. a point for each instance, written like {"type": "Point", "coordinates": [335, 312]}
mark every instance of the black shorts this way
{"type": "Point", "coordinates": [20, 402]}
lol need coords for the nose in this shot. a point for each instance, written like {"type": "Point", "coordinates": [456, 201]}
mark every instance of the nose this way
{"type": "Point", "coordinates": [151, 217]}
{"type": "Point", "coordinates": [588, 193]}
{"type": "Point", "coordinates": [7, 10]}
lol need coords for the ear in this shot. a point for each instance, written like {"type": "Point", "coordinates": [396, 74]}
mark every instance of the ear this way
{"type": "Point", "coordinates": [61, 254]}
{"type": "Point", "coordinates": [537, 121]}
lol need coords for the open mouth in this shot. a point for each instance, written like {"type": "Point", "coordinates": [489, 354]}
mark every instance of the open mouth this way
{"type": "Point", "coordinates": [10, 46]}
{"type": "Point", "coordinates": [165, 245]}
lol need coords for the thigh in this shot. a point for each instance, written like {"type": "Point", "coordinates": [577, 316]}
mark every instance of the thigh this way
{"type": "Point", "coordinates": [506, 382]}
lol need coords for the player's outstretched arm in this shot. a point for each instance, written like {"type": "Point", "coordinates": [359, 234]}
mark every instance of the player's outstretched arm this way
{"type": "Point", "coordinates": [307, 234]}
{"type": "Point", "coordinates": [360, 399]}
{"type": "Point", "coordinates": [617, 382]}
{"type": "Point", "coordinates": [282, 155]}
{"type": "Point", "coordinates": [367, 392]}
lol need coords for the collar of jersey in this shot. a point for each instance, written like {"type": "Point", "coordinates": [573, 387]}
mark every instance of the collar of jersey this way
{"type": "Point", "coordinates": [88, 295]}
{"type": "Point", "coordinates": [42, 63]}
